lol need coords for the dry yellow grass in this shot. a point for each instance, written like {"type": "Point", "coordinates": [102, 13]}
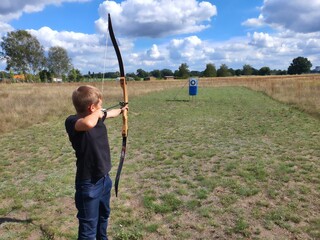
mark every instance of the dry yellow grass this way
{"type": "Point", "coordinates": [22, 105]}
{"type": "Point", "coordinates": [302, 91]}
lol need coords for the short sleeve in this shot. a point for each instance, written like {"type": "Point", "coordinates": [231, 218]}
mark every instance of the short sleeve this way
{"type": "Point", "coordinates": [70, 125]}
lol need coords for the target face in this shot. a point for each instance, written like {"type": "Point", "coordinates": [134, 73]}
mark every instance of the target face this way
{"type": "Point", "coordinates": [193, 82]}
{"type": "Point", "coordinates": [193, 86]}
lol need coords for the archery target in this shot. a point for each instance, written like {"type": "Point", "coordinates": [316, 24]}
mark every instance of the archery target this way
{"type": "Point", "coordinates": [193, 87]}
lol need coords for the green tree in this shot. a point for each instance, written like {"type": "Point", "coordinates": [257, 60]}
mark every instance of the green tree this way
{"type": "Point", "coordinates": [278, 72]}
{"type": "Point", "coordinates": [2, 75]}
{"type": "Point", "coordinates": [247, 70]}
{"type": "Point", "coordinates": [210, 70]}
{"type": "Point", "coordinates": [11, 74]}
{"type": "Point", "coordinates": [44, 75]}
{"type": "Point", "coordinates": [232, 71]}
{"type": "Point", "coordinates": [166, 72]}
{"type": "Point", "coordinates": [299, 65]}
{"type": "Point", "coordinates": [223, 71]}
{"type": "Point", "coordinates": [133, 75]}
{"type": "Point", "coordinates": [74, 75]}
{"type": "Point", "coordinates": [58, 61]}
{"type": "Point", "coordinates": [195, 73]}
{"type": "Point", "coordinates": [238, 72]}
{"type": "Point", "coordinates": [141, 73]}
{"type": "Point", "coordinates": [183, 71]}
{"type": "Point", "coordinates": [156, 73]}
{"type": "Point", "coordinates": [264, 71]}
{"type": "Point", "coordinates": [22, 52]}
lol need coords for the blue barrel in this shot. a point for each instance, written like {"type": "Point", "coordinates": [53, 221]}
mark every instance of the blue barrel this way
{"type": "Point", "coordinates": [193, 87]}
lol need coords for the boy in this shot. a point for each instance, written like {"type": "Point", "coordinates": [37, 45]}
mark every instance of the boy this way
{"type": "Point", "coordinates": [88, 136]}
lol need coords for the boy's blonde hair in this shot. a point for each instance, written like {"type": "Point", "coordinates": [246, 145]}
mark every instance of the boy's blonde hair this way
{"type": "Point", "coordinates": [84, 96]}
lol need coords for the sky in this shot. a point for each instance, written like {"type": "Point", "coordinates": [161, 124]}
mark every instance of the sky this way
{"type": "Point", "coordinates": [163, 34]}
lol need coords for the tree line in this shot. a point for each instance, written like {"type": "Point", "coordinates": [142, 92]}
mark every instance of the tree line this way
{"type": "Point", "coordinates": [299, 65]}
{"type": "Point", "coordinates": [25, 55]}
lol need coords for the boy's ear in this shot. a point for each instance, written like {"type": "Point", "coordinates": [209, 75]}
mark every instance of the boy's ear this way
{"type": "Point", "coordinates": [91, 108]}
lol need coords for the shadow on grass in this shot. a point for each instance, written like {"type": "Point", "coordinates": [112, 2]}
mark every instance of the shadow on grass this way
{"type": "Point", "coordinates": [13, 220]}
{"type": "Point", "coordinates": [177, 100]}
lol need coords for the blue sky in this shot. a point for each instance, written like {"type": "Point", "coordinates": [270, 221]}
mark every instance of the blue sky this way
{"type": "Point", "coordinates": [158, 34]}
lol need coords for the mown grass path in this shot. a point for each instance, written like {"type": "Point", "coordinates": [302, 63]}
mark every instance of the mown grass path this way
{"type": "Point", "coordinates": [232, 163]}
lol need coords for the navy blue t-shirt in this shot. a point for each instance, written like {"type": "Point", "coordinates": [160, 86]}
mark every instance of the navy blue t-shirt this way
{"type": "Point", "coordinates": [91, 148]}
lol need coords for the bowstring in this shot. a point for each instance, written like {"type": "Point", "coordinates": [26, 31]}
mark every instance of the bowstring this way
{"type": "Point", "coordinates": [104, 70]}
{"type": "Point", "coordinates": [105, 60]}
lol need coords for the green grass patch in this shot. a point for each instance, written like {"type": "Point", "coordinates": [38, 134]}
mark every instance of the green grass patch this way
{"type": "Point", "coordinates": [230, 164]}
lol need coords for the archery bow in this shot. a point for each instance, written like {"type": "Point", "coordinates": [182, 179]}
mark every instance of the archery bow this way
{"type": "Point", "coordinates": [123, 85]}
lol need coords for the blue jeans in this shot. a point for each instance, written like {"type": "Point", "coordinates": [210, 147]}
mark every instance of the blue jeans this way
{"type": "Point", "coordinates": [93, 204]}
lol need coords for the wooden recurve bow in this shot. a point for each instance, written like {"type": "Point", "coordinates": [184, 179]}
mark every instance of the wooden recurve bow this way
{"type": "Point", "coordinates": [123, 85]}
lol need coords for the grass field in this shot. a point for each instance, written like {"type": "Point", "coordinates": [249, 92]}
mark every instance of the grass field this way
{"type": "Point", "coordinates": [230, 164]}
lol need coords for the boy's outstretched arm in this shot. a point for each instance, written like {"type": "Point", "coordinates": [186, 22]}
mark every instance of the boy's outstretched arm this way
{"type": "Point", "coordinates": [116, 112]}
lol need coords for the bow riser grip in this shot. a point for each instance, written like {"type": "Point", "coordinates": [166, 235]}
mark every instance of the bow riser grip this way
{"type": "Point", "coordinates": [125, 123]}
{"type": "Point", "coordinates": [123, 85]}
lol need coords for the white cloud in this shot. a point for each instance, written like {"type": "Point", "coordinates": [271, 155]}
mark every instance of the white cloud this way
{"type": "Point", "coordinates": [72, 41]}
{"type": "Point", "coordinates": [4, 28]}
{"type": "Point", "coordinates": [263, 40]}
{"type": "Point", "coordinates": [154, 52]}
{"type": "Point", "coordinates": [258, 49]}
{"type": "Point", "coordinates": [191, 50]}
{"type": "Point", "coordinates": [151, 58]}
{"type": "Point", "coordinates": [156, 18]}
{"type": "Point", "coordinates": [296, 32]}
{"type": "Point", "coordinates": [87, 51]}
{"type": "Point", "coordinates": [254, 22]}
{"type": "Point", "coordinates": [294, 15]}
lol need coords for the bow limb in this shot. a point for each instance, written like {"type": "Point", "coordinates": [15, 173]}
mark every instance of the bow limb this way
{"type": "Point", "coordinates": [123, 85]}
